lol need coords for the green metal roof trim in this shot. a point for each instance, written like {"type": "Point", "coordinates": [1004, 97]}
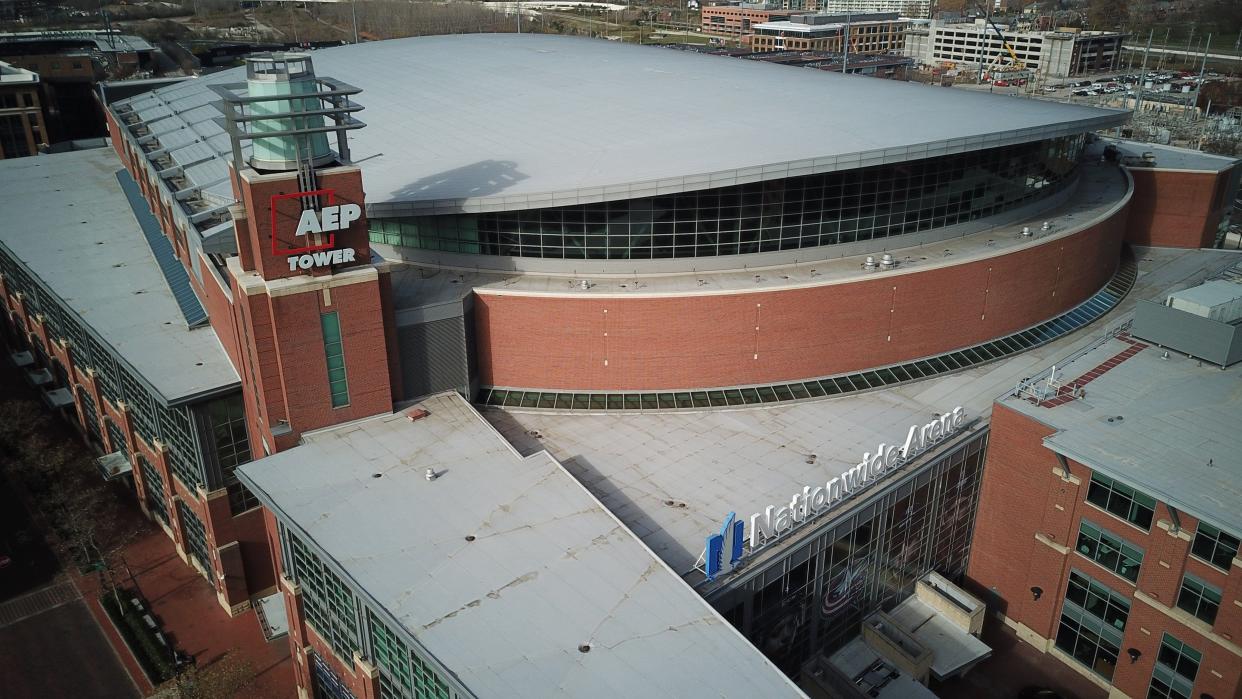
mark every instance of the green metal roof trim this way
{"type": "Point", "coordinates": [174, 273]}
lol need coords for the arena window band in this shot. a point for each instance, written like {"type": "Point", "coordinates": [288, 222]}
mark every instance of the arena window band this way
{"type": "Point", "coordinates": [807, 211]}
{"type": "Point", "coordinates": [1084, 313]}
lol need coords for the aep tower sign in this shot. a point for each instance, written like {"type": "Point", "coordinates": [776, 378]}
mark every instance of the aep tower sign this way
{"type": "Point", "coordinates": [317, 251]}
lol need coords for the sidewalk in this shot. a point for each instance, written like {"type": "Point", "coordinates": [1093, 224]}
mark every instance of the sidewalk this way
{"type": "Point", "coordinates": [186, 607]}
{"type": "Point", "coordinates": [1015, 666]}
{"type": "Point", "coordinates": [181, 599]}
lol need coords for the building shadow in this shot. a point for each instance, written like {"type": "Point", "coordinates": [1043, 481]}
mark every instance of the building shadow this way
{"type": "Point", "coordinates": [481, 179]}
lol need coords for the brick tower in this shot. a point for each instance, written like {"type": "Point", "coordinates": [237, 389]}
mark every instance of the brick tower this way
{"type": "Point", "coordinates": [308, 311]}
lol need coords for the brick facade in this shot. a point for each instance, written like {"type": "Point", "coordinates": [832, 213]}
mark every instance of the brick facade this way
{"type": "Point", "coordinates": [725, 20]}
{"type": "Point", "coordinates": [709, 340]}
{"type": "Point", "coordinates": [1178, 208]}
{"type": "Point", "coordinates": [1029, 515]}
{"type": "Point", "coordinates": [268, 321]}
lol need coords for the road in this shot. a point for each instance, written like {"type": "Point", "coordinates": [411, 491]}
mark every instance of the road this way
{"type": "Point", "coordinates": [50, 646]}
{"type": "Point", "coordinates": [1184, 52]}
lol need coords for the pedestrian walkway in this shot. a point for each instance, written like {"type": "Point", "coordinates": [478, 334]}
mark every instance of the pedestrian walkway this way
{"type": "Point", "coordinates": [190, 615]}
{"type": "Point", "coordinates": [37, 602]}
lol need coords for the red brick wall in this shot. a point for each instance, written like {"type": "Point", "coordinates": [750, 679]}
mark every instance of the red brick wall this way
{"type": "Point", "coordinates": [1022, 499]}
{"type": "Point", "coordinates": [257, 227]}
{"type": "Point", "coordinates": [644, 343]}
{"type": "Point", "coordinates": [1176, 209]}
{"type": "Point", "coordinates": [118, 142]}
{"type": "Point", "coordinates": [1005, 558]}
{"type": "Point", "coordinates": [1134, 679]}
{"type": "Point", "coordinates": [299, 349]}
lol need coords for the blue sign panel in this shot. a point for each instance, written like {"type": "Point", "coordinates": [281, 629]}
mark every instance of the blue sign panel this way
{"type": "Point", "coordinates": [728, 541]}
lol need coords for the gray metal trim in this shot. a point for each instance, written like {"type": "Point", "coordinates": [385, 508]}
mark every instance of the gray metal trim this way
{"type": "Point", "coordinates": [576, 268]}
{"type": "Point", "coordinates": [724, 178]}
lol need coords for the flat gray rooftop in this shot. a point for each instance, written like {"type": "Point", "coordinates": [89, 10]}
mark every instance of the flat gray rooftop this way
{"type": "Point", "coordinates": [721, 461]}
{"type": "Point", "coordinates": [103, 41]}
{"type": "Point", "coordinates": [481, 122]}
{"type": "Point", "coordinates": [952, 647]}
{"type": "Point", "coordinates": [854, 662]}
{"type": "Point", "coordinates": [68, 220]}
{"type": "Point", "coordinates": [1178, 440]}
{"type": "Point", "coordinates": [1174, 158]}
{"type": "Point", "coordinates": [549, 570]}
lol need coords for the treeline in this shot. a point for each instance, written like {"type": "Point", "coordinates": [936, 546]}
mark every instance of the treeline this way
{"type": "Point", "coordinates": [386, 19]}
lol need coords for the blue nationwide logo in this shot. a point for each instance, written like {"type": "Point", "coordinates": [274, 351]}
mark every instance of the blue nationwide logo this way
{"type": "Point", "coordinates": [724, 548]}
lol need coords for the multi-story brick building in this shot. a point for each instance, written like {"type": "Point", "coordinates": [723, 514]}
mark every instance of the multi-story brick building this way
{"type": "Point", "coordinates": [864, 34]}
{"type": "Point", "coordinates": [738, 20]}
{"type": "Point", "coordinates": [22, 130]}
{"type": "Point", "coordinates": [1108, 526]}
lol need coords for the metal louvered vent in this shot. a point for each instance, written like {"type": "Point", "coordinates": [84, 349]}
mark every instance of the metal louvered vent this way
{"type": "Point", "coordinates": [433, 357]}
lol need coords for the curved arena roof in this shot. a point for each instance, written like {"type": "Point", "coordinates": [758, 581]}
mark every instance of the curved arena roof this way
{"type": "Point", "coordinates": [491, 122]}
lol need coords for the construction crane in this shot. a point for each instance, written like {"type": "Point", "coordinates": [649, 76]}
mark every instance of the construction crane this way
{"type": "Point", "coordinates": [1017, 62]}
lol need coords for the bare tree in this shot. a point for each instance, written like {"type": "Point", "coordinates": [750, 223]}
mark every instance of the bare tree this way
{"type": "Point", "coordinates": [229, 675]}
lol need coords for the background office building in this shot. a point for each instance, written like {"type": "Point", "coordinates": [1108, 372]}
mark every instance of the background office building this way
{"type": "Point", "coordinates": [739, 20]}
{"type": "Point", "coordinates": [864, 33]}
{"type": "Point", "coordinates": [1054, 54]}
{"type": "Point", "coordinates": [22, 130]}
{"type": "Point", "coordinates": [904, 8]}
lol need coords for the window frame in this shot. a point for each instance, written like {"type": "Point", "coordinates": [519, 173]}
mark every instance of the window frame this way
{"type": "Point", "coordinates": [1122, 549]}
{"type": "Point", "coordinates": [1113, 487]}
{"type": "Point", "coordinates": [1202, 593]}
{"type": "Point", "coordinates": [334, 348]}
{"type": "Point", "coordinates": [1216, 544]}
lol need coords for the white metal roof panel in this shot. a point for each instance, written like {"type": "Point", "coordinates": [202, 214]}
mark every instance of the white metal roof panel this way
{"type": "Point", "coordinates": [68, 220]}
{"type": "Point", "coordinates": [505, 121]}
{"type": "Point", "coordinates": [549, 570]}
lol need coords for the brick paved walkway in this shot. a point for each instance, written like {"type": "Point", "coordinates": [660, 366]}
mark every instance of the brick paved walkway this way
{"type": "Point", "coordinates": [186, 607]}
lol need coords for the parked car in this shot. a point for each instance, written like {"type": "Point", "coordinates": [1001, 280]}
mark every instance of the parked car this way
{"type": "Point", "coordinates": [1001, 83]}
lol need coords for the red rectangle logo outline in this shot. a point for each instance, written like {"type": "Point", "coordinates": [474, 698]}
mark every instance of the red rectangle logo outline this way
{"type": "Point", "coordinates": [330, 194]}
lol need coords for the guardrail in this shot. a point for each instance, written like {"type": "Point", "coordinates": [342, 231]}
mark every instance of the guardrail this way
{"type": "Point", "coordinates": [1044, 385]}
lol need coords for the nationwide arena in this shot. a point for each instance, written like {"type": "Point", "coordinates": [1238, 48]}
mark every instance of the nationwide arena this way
{"type": "Point", "coordinates": [536, 314]}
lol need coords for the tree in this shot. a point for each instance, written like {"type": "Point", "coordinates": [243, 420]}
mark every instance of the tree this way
{"type": "Point", "coordinates": [229, 675]}
{"type": "Point", "coordinates": [1107, 14]}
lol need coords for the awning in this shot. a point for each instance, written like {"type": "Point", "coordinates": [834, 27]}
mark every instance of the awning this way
{"type": "Point", "coordinates": [113, 465]}
{"type": "Point", "coordinates": [40, 377]}
{"type": "Point", "coordinates": [272, 617]}
{"type": "Point", "coordinates": [22, 358]}
{"type": "Point", "coordinates": [953, 649]}
{"type": "Point", "coordinates": [58, 398]}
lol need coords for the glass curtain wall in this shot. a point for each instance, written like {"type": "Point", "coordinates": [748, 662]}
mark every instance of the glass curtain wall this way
{"type": "Point", "coordinates": [786, 214]}
{"type": "Point", "coordinates": [814, 599]}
